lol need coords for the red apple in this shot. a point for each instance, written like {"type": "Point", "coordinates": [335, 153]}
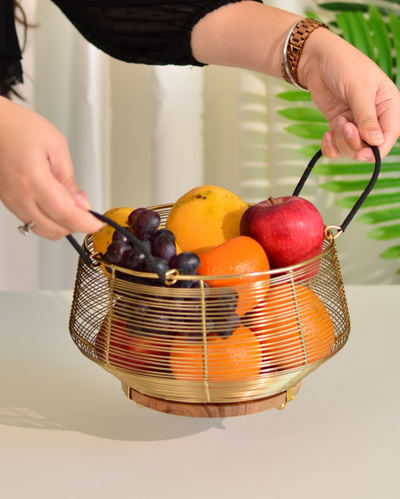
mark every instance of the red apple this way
{"type": "Point", "coordinates": [131, 352]}
{"type": "Point", "coordinates": [289, 228]}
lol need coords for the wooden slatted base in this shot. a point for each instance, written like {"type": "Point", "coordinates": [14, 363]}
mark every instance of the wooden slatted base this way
{"type": "Point", "coordinates": [211, 410]}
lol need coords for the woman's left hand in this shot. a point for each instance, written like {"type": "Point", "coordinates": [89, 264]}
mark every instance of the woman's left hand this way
{"type": "Point", "coordinates": [361, 104]}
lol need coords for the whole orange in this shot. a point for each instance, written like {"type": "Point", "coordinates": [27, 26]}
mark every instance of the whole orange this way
{"type": "Point", "coordinates": [228, 359]}
{"type": "Point", "coordinates": [205, 217]}
{"type": "Point", "coordinates": [293, 326]}
{"type": "Point", "coordinates": [238, 256]}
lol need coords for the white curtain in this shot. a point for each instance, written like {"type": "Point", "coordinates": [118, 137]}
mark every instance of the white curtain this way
{"type": "Point", "coordinates": [145, 135]}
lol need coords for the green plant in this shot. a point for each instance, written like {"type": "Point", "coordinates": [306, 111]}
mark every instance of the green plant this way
{"type": "Point", "coordinates": [374, 30]}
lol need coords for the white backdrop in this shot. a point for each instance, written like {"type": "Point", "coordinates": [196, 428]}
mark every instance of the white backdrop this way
{"type": "Point", "coordinates": [186, 126]}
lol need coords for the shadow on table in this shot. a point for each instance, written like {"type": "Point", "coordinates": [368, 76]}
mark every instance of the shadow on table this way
{"type": "Point", "coordinates": [69, 407]}
{"type": "Point", "coordinates": [45, 383]}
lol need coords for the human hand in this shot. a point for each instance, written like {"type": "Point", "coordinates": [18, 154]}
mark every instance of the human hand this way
{"type": "Point", "coordinates": [361, 104]}
{"type": "Point", "coordinates": [37, 181]}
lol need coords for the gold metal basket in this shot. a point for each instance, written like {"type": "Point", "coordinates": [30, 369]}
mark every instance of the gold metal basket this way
{"type": "Point", "coordinates": [156, 340]}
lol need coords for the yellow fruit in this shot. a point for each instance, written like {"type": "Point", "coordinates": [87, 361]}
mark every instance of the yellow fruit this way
{"type": "Point", "coordinates": [178, 249]}
{"type": "Point", "coordinates": [103, 238]}
{"type": "Point", "coordinates": [205, 217]}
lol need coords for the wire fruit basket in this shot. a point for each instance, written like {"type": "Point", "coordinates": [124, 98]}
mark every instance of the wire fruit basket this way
{"type": "Point", "coordinates": [172, 346]}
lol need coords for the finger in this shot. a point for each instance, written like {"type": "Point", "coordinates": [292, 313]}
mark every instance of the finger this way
{"type": "Point", "coordinates": [61, 164]}
{"type": "Point", "coordinates": [60, 207]}
{"type": "Point", "coordinates": [365, 117]}
{"type": "Point", "coordinates": [390, 125]}
{"type": "Point", "coordinates": [54, 210]}
{"type": "Point", "coordinates": [348, 142]}
{"type": "Point", "coordinates": [82, 200]}
{"type": "Point", "coordinates": [43, 225]}
{"type": "Point", "coordinates": [338, 122]}
{"type": "Point", "coordinates": [328, 148]}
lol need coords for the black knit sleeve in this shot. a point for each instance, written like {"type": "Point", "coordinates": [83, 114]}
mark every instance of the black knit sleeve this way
{"type": "Point", "coordinates": [141, 31]}
{"type": "Point", "coordinates": [10, 53]}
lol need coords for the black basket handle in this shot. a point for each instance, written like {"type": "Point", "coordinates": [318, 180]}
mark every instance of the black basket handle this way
{"type": "Point", "coordinates": [126, 232]}
{"type": "Point", "coordinates": [363, 196]}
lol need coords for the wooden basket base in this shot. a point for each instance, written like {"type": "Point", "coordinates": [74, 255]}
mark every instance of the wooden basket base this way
{"type": "Point", "coordinates": [211, 410]}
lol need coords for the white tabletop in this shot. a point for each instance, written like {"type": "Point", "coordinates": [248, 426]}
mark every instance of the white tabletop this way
{"type": "Point", "coordinates": [68, 431]}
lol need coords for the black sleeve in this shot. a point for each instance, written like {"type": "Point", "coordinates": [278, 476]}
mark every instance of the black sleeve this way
{"type": "Point", "coordinates": [139, 31]}
{"type": "Point", "coordinates": [10, 53]}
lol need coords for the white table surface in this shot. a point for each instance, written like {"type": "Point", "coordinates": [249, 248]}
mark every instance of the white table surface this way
{"type": "Point", "coordinates": [68, 431]}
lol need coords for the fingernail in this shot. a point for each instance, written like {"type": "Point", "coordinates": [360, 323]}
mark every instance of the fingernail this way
{"type": "Point", "coordinates": [347, 130]}
{"type": "Point", "coordinates": [82, 201]}
{"type": "Point", "coordinates": [366, 156]}
{"type": "Point", "coordinates": [375, 137]}
{"type": "Point", "coordinates": [328, 138]}
{"type": "Point", "coordinates": [342, 121]}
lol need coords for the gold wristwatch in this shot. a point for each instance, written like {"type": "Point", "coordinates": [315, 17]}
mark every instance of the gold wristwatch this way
{"type": "Point", "coordinates": [293, 48]}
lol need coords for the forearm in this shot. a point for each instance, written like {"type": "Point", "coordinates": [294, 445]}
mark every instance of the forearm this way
{"type": "Point", "coordinates": [246, 35]}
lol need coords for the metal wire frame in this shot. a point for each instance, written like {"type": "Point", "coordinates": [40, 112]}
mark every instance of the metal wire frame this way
{"type": "Point", "coordinates": [168, 342]}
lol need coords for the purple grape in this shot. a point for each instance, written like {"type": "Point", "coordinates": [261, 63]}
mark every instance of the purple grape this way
{"type": "Point", "coordinates": [146, 224]}
{"type": "Point", "coordinates": [225, 327]}
{"type": "Point", "coordinates": [124, 309]}
{"type": "Point", "coordinates": [156, 324]}
{"type": "Point", "coordinates": [117, 252]}
{"type": "Point", "coordinates": [147, 244]}
{"type": "Point", "coordinates": [136, 260]}
{"type": "Point", "coordinates": [186, 263]}
{"type": "Point", "coordinates": [165, 248]}
{"type": "Point", "coordinates": [134, 216]}
{"type": "Point", "coordinates": [196, 284]}
{"type": "Point", "coordinates": [183, 284]}
{"type": "Point", "coordinates": [225, 303]}
{"type": "Point", "coordinates": [159, 233]}
{"type": "Point", "coordinates": [161, 264]}
{"type": "Point", "coordinates": [119, 236]}
{"type": "Point", "coordinates": [193, 327]}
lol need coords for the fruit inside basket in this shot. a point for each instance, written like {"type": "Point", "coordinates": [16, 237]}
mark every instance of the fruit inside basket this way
{"type": "Point", "coordinates": [195, 322]}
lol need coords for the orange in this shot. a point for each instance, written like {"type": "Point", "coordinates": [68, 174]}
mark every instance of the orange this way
{"type": "Point", "coordinates": [178, 249]}
{"type": "Point", "coordinates": [228, 359]}
{"type": "Point", "coordinates": [293, 326]}
{"type": "Point", "coordinates": [205, 217]}
{"type": "Point", "coordinates": [240, 255]}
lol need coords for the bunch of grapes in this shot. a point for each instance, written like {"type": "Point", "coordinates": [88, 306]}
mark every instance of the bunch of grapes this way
{"type": "Point", "coordinates": [155, 252]}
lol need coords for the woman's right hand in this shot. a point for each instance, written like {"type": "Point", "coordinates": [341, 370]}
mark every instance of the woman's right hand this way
{"type": "Point", "coordinates": [37, 180]}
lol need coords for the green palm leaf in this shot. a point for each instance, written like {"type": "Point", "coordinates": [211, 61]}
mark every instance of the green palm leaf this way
{"type": "Point", "coordinates": [343, 6]}
{"type": "Point", "coordinates": [310, 150]}
{"type": "Point", "coordinates": [295, 96]}
{"type": "Point", "coordinates": [393, 252]}
{"type": "Point", "coordinates": [372, 200]}
{"type": "Point", "coordinates": [380, 216]}
{"type": "Point", "coordinates": [311, 131]}
{"type": "Point", "coordinates": [385, 233]}
{"type": "Point", "coordinates": [394, 23]}
{"type": "Point", "coordinates": [355, 169]}
{"type": "Point", "coordinates": [359, 185]}
{"type": "Point", "coordinates": [381, 39]}
{"type": "Point", "coordinates": [303, 114]}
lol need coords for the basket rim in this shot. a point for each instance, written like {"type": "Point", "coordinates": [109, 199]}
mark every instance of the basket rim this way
{"type": "Point", "coordinates": [174, 274]}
